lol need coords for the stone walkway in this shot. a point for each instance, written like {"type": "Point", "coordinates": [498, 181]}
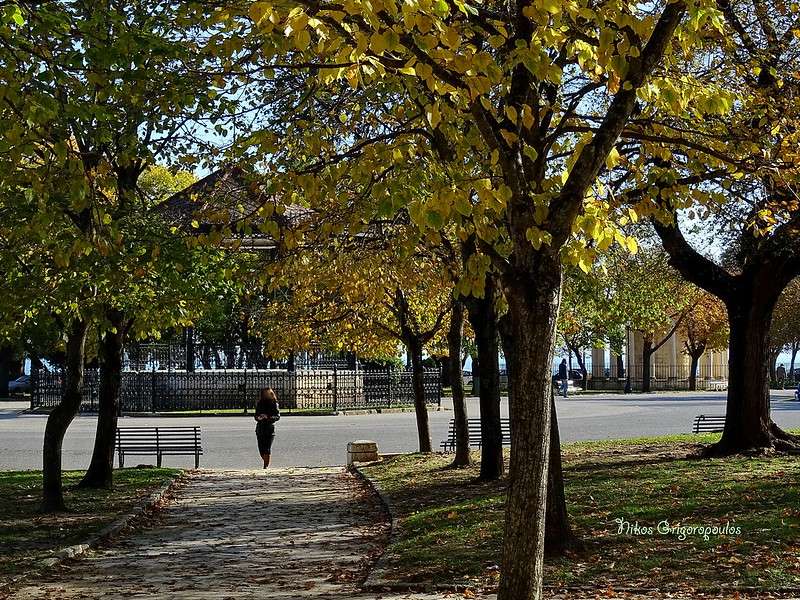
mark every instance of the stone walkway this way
{"type": "Point", "coordinates": [282, 533]}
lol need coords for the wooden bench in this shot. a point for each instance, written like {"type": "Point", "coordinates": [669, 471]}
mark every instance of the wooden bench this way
{"type": "Point", "coordinates": [708, 423]}
{"type": "Point", "coordinates": [449, 444]}
{"type": "Point", "coordinates": [160, 441]}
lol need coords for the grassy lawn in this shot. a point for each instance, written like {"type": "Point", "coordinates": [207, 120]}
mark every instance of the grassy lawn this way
{"type": "Point", "coordinates": [450, 527]}
{"type": "Point", "coordinates": [27, 536]}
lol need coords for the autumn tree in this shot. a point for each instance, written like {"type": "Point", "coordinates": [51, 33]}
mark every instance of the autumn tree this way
{"type": "Point", "coordinates": [345, 296]}
{"type": "Point", "coordinates": [737, 174]}
{"type": "Point", "coordinates": [517, 107]}
{"type": "Point", "coordinates": [95, 93]}
{"type": "Point", "coordinates": [704, 328]}
{"type": "Point", "coordinates": [653, 298]}
{"type": "Point", "coordinates": [785, 330]}
{"type": "Point", "coordinates": [589, 314]}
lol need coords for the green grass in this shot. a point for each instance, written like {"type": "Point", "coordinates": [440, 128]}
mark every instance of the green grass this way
{"type": "Point", "coordinates": [450, 526]}
{"type": "Point", "coordinates": [26, 536]}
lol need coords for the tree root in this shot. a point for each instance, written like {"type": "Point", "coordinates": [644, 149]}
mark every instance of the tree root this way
{"type": "Point", "coordinates": [567, 544]}
{"type": "Point", "coordinates": [780, 434]}
{"type": "Point", "coordinates": [776, 440]}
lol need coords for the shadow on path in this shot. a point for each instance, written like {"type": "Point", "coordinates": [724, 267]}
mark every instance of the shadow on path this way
{"type": "Point", "coordinates": [279, 534]}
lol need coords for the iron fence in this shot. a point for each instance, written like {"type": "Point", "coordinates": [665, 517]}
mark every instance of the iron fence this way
{"type": "Point", "coordinates": [238, 389]}
{"type": "Point", "coordinates": [664, 377]}
{"type": "Point", "coordinates": [198, 356]}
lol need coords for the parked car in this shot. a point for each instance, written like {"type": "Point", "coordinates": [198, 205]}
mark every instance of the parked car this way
{"type": "Point", "coordinates": [20, 385]}
{"type": "Point", "coordinates": [576, 374]}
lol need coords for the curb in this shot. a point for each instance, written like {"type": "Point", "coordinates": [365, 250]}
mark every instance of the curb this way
{"type": "Point", "coordinates": [376, 581]}
{"type": "Point", "coordinates": [372, 581]}
{"type": "Point", "coordinates": [112, 529]}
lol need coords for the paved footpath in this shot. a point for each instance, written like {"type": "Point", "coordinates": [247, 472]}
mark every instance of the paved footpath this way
{"type": "Point", "coordinates": [300, 534]}
{"type": "Point", "coordinates": [284, 533]}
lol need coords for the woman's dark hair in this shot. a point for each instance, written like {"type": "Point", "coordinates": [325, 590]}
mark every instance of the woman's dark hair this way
{"type": "Point", "coordinates": [268, 394]}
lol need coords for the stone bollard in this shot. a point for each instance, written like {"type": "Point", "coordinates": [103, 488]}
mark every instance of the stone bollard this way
{"type": "Point", "coordinates": [361, 451]}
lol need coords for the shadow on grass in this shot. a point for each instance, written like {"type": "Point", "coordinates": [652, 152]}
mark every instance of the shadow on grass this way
{"type": "Point", "coordinates": [451, 530]}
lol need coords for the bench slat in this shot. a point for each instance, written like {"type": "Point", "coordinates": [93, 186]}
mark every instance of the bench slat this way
{"type": "Point", "coordinates": [708, 424]}
{"type": "Point", "coordinates": [160, 441]}
{"type": "Point", "coordinates": [474, 428]}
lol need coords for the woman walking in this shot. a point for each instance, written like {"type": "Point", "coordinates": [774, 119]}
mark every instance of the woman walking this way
{"type": "Point", "coordinates": [267, 413]}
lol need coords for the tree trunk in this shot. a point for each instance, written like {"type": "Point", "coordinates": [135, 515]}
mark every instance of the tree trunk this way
{"type": "Point", "coordinates": [647, 354]}
{"type": "Point", "coordinates": [6, 356]}
{"type": "Point", "coordinates": [101, 467]}
{"type": "Point", "coordinates": [454, 339]}
{"type": "Point", "coordinates": [795, 350]}
{"type": "Point", "coordinates": [581, 365]}
{"type": "Point", "coordinates": [774, 354]}
{"type": "Point", "coordinates": [693, 371]}
{"type": "Point", "coordinates": [747, 418]}
{"type": "Point", "coordinates": [558, 534]}
{"type": "Point", "coordinates": [620, 366]}
{"type": "Point", "coordinates": [60, 418]}
{"type": "Point", "coordinates": [483, 318]}
{"type": "Point", "coordinates": [532, 316]}
{"type": "Point", "coordinates": [420, 406]}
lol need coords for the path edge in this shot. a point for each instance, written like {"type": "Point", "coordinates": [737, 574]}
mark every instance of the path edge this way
{"type": "Point", "coordinates": [112, 529]}
{"type": "Point", "coordinates": [376, 578]}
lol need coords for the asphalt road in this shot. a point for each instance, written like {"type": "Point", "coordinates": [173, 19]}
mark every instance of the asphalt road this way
{"type": "Point", "coordinates": [230, 442]}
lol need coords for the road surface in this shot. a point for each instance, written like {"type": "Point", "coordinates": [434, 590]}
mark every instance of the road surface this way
{"type": "Point", "coordinates": [230, 442]}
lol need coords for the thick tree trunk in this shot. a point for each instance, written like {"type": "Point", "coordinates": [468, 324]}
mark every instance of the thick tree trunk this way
{"type": "Point", "coordinates": [454, 339]}
{"type": "Point", "coordinates": [558, 533]}
{"type": "Point", "coordinates": [647, 354]}
{"type": "Point", "coordinates": [420, 406]}
{"type": "Point", "coordinates": [620, 366]}
{"type": "Point", "coordinates": [532, 316]}
{"type": "Point", "coordinates": [60, 418]}
{"type": "Point", "coordinates": [483, 318]}
{"type": "Point", "coordinates": [101, 467]}
{"type": "Point", "coordinates": [747, 418]}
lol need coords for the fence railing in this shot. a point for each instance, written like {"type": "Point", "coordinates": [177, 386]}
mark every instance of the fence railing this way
{"type": "Point", "coordinates": [320, 389]}
{"type": "Point", "coordinates": [663, 378]}
{"type": "Point", "coordinates": [171, 356]}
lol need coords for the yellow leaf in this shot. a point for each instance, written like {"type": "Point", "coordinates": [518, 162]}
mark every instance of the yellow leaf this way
{"type": "Point", "coordinates": [509, 136]}
{"type": "Point", "coordinates": [432, 113]}
{"type": "Point", "coordinates": [302, 39]}
{"type": "Point", "coordinates": [377, 43]}
{"type": "Point", "coordinates": [613, 158]}
{"type": "Point", "coordinates": [259, 11]}
{"type": "Point", "coordinates": [511, 113]}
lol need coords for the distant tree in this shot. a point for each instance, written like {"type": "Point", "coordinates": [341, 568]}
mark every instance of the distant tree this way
{"type": "Point", "coordinates": [343, 296]}
{"type": "Point", "coordinates": [785, 330]}
{"type": "Point", "coordinates": [589, 314]}
{"type": "Point", "coordinates": [704, 328]}
{"type": "Point", "coordinates": [653, 298]}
